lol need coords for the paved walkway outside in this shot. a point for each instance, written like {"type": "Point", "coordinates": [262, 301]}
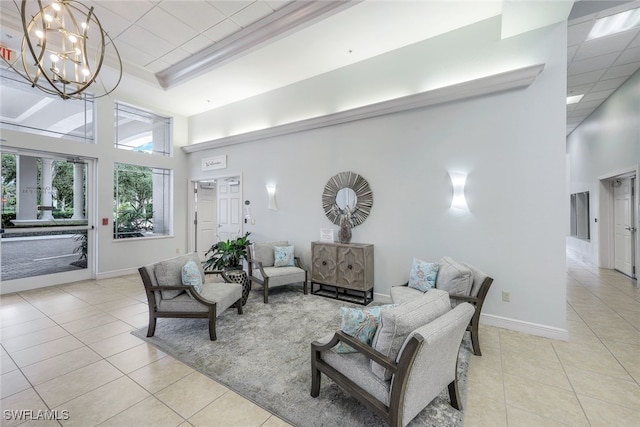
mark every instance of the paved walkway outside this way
{"type": "Point", "coordinates": [34, 256]}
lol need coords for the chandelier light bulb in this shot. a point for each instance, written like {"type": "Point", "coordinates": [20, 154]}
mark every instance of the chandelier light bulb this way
{"type": "Point", "coordinates": [64, 60]}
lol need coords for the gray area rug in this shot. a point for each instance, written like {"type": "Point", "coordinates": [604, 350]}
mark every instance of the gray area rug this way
{"type": "Point", "coordinates": [264, 355]}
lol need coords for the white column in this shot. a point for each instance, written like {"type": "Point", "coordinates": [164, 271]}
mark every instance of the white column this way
{"type": "Point", "coordinates": [78, 190]}
{"type": "Point", "coordinates": [46, 189]}
{"type": "Point", "coordinates": [27, 191]}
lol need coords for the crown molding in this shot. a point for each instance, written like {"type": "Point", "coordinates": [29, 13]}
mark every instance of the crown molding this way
{"type": "Point", "coordinates": [285, 19]}
{"type": "Point", "coordinates": [514, 79]}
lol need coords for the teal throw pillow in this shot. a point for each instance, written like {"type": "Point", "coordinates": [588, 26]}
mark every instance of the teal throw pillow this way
{"type": "Point", "coordinates": [191, 276]}
{"type": "Point", "coordinates": [423, 275]}
{"type": "Point", "coordinates": [283, 256]}
{"type": "Point", "coordinates": [360, 323]}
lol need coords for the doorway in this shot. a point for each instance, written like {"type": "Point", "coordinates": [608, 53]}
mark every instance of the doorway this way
{"type": "Point", "coordinates": [619, 216]}
{"type": "Point", "coordinates": [47, 213]}
{"type": "Point", "coordinates": [216, 212]}
{"type": "Point", "coordinates": [623, 223]}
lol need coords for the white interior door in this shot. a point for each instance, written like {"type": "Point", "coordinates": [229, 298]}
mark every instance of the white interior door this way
{"type": "Point", "coordinates": [206, 224]}
{"type": "Point", "coordinates": [229, 209]}
{"type": "Point", "coordinates": [624, 226]}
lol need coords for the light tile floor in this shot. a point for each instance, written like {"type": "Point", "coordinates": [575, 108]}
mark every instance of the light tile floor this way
{"type": "Point", "coordinates": [591, 380]}
{"type": "Point", "coordinates": [69, 348]}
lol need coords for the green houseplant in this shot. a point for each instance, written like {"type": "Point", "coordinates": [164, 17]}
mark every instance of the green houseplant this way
{"type": "Point", "coordinates": [227, 255]}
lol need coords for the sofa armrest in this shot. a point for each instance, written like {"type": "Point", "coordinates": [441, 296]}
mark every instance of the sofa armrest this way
{"type": "Point", "coordinates": [357, 345]}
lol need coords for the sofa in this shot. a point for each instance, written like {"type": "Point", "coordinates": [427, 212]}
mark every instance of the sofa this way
{"type": "Point", "coordinates": [169, 297]}
{"type": "Point", "coordinates": [463, 282]}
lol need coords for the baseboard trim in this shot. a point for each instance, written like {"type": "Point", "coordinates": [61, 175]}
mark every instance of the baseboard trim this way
{"type": "Point", "coordinates": [525, 327]}
{"type": "Point", "coordinates": [117, 273]}
{"type": "Point", "coordinates": [382, 298]}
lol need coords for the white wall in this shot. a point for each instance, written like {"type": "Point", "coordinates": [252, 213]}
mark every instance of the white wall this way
{"type": "Point", "coordinates": [605, 144]}
{"type": "Point", "coordinates": [510, 144]}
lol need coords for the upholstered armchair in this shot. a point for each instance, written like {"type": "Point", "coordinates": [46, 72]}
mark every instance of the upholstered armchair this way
{"type": "Point", "coordinates": [169, 297]}
{"type": "Point", "coordinates": [398, 381]}
{"type": "Point", "coordinates": [273, 264]}
{"type": "Point", "coordinates": [464, 282]}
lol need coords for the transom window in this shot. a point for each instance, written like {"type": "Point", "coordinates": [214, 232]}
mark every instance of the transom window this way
{"type": "Point", "coordinates": [143, 131]}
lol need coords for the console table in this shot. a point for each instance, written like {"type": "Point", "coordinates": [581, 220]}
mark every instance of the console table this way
{"type": "Point", "coordinates": [342, 271]}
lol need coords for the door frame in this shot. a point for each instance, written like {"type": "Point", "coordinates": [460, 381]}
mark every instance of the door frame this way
{"type": "Point", "coordinates": [191, 205]}
{"type": "Point", "coordinates": [606, 230]}
{"type": "Point", "coordinates": [43, 281]}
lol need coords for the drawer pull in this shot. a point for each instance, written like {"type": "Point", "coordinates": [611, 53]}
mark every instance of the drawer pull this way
{"type": "Point", "coordinates": [350, 267]}
{"type": "Point", "coordinates": [324, 262]}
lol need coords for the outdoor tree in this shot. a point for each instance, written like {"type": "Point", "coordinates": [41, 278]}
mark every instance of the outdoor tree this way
{"type": "Point", "coordinates": [134, 198]}
{"type": "Point", "coordinates": [8, 182]}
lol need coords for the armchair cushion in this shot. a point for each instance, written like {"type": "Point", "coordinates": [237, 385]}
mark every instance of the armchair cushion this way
{"type": "Point", "coordinates": [169, 273]}
{"type": "Point", "coordinates": [264, 252]}
{"type": "Point", "coordinates": [283, 256]}
{"type": "Point", "coordinates": [423, 275]}
{"type": "Point", "coordinates": [279, 276]}
{"type": "Point", "coordinates": [454, 277]}
{"type": "Point", "coordinates": [211, 291]}
{"type": "Point", "coordinates": [396, 324]}
{"type": "Point", "coordinates": [191, 276]}
{"type": "Point", "coordinates": [356, 367]}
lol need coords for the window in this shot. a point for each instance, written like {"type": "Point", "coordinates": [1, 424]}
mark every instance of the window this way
{"type": "Point", "coordinates": [142, 131]}
{"type": "Point", "coordinates": [142, 202]}
{"type": "Point", "coordinates": [580, 215]}
{"type": "Point", "coordinates": [26, 109]}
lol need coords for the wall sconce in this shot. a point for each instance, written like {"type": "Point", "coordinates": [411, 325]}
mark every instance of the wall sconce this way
{"type": "Point", "coordinates": [271, 192]}
{"type": "Point", "coordinates": [458, 201]}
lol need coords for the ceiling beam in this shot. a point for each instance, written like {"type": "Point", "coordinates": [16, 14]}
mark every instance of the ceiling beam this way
{"type": "Point", "coordinates": [292, 16]}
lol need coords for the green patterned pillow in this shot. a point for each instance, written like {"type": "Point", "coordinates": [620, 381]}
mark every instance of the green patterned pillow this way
{"type": "Point", "coordinates": [283, 256]}
{"type": "Point", "coordinates": [360, 323]}
{"type": "Point", "coordinates": [191, 276]}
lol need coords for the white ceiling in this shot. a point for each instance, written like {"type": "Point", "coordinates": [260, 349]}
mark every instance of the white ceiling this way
{"type": "Point", "coordinates": [596, 68]}
{"type": "Point", "coordinates": [153, 36]}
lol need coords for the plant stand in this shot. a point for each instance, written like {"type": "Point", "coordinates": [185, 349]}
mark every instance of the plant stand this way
{"type": "Point", "coordinates": [238, 276]}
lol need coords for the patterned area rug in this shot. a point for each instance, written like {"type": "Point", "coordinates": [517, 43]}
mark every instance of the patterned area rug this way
{"type": "Point", "coordinates": [264, 355]}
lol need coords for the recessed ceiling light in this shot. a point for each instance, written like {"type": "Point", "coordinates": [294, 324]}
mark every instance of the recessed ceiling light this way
{"type": "Point", "coordinates": [574, 99]}
{"type": "Point", "coordinates": [613, 24]}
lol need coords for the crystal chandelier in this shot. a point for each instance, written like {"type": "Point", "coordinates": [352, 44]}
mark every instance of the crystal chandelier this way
{"type": "Point", "coordinates": [63, 49]}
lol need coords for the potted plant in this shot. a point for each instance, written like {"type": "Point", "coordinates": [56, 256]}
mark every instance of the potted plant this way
{"type": "Point", "coordinates": [227, 255]}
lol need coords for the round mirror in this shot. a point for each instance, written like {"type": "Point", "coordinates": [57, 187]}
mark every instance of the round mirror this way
{"type": "Point", "coordinates": [346, 197]}
{"type": "Point", "coordinates": [347, 191]}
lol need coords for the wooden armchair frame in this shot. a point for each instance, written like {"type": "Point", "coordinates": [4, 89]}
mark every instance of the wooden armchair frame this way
{"type": "Point", "coordinates": [392, 413]}
{"type": "Point", "coordinates": [477, 302]}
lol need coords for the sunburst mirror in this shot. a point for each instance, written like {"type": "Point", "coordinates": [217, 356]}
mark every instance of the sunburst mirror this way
{"type": "Point", "coordinates": [347, 190]}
